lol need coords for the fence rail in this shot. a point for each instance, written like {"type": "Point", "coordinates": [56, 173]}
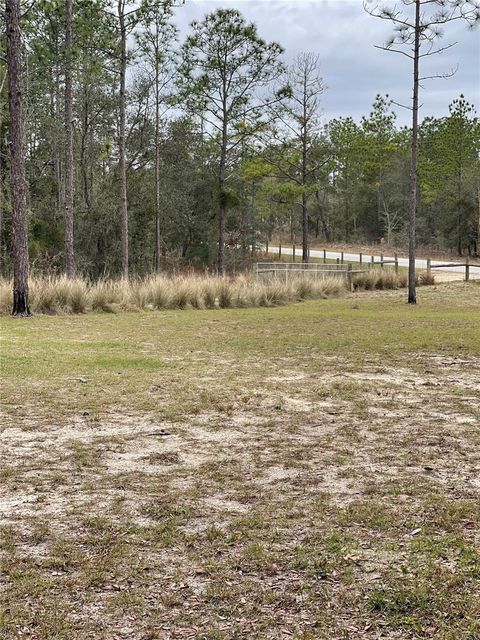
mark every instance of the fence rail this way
{"type": "Point", "coordinates": [466, 271]}
{"type": "Point", "coordinates": [466, 265]}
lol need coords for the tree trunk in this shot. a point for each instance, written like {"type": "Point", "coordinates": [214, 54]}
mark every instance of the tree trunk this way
{"type": "Point", "coordinates": [122, 165]}
{"type": "Point", "coordinates": [2, 80]}
{"type": "Point", "coordinates": [222, 204]}
{"type": "Point", "coordinates": [68, 211]}
{"type": "Point", "coordinates": [17, 177]}
{"type": "Point", "coordinates": [221, 225]}
{"type": "Point", "coordinates": [459, 208]}
{"type": "Point", "coordinates": [304, 228]}
{"type": "Point", "coordinates": [158, 228]}
{"type": "Point", "coordinates": [304, 172]}
{"type": "Point", "coordinates": [57, 143]}
{"type": "Point", "coordinates": [346, 204]}
{"type": "Point", "coordinates": [412, 294]}
{"type": "Point", "coordinates": [83, 147]}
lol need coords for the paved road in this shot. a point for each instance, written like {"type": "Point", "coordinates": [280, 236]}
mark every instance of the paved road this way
{"type": "Point", "coordinates": [455, 272]}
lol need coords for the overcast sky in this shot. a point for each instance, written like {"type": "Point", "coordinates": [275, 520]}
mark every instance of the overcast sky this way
{"type": "Point", "coordinates": [344, 36]}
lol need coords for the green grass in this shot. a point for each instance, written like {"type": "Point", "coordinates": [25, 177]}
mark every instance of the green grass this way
{"type": "Point", "coordinates": [306, 471]}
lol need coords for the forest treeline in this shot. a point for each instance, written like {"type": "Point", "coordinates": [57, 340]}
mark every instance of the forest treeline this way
{"type": "Point", "coordinates": [142, 148]}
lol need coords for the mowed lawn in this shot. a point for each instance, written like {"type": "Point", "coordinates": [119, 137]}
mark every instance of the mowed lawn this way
{"type": "Point", "coordinates": [310, 471]}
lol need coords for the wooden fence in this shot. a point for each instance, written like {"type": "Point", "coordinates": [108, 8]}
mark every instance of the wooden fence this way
{"type": "Point", "coordinates": [372, 261]}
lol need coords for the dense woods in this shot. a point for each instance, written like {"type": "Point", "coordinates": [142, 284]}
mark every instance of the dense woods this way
{"type": "Point", "coordinates": [143, 150]}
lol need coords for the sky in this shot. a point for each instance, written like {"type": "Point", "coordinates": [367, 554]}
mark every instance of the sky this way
{"type": "Point", "coordinates": [355, 71]}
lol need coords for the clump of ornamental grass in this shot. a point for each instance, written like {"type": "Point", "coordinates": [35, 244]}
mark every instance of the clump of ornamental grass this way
{"type": "Point", "coordinates": [76, 295]}
{"type": "Point", "coordinates": [185, 293]}
{"type": "Point", "coordinates": [387, 279]}
{"type": "Point", "coordinates": [5, 296]}
{"type": "Point", "coordinates": [58, 295]}
{"type": "Point", "coordinates": [136, 294]}
{"type": "Point", "coordinates": [427, 278]}
{"type": "Point", "coordinates": [51, 295]}
{"type": "Point", "coordinates": [379, 279]}
{"type": "Point", "coordinates": [245, 292]}
{"type": "Point", "coordinates": [159, 292]}
{"type": "Point", "coordinates": [328, 288]}
{"type": "Point", "coordinates": [44, 296]}
{"type": "Point", "coordinates": [224, 293]}
{"type": "Point", "coordinates": [303, 287]}
{"type": "Point", "coordinates": [278, 293]}
{"type": "Point", "coordinates": [104, 296]}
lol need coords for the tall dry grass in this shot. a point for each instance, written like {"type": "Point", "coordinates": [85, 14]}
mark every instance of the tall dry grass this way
{"type": "Point", "coordinates": [387, 279]}
{"type": "Point", "coordinates": [62, 295]}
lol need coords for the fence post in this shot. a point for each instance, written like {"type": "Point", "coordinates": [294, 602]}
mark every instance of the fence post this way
{"type": "Point", "coordinates": [341, 259]}
{"type": "Point", "coordinates": [381, 260]}
{"type": "Point", "coordinates": [360, 255]}
{"type": "Point", "coordinates": [396, 263]}
{"type": "Point", "coordinates": [279, 250]}
{"type": "Point", "coordinates": [467, 269]}
{"type": "Point", "coordinates": [350, 277]}
{"type": "Point", "coordinates": [429, 267]}
{"type": "Point", "coordinates": [293, 254]}
{"type": "Point", "coordinates": [266, 246]}
{"type": "Point", "coordinates": [372, 262]}
{"type": "Point", "coordinates": [324, 256]}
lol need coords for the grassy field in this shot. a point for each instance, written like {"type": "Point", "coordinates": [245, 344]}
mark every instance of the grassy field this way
{"type": "Point", "coordinates": [308, 471]}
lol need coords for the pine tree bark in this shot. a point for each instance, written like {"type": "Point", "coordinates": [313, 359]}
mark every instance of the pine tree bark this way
{"type": "Point", "coordinates": [2, 80]}
{"type": "Point", "coordinates": [68, 208]}
{"type": "Point", "coordinates": [304, 134]}
{"type": "Point", "coordinates": [158, 226]}
{"type": "Point", "coordinates": [412, 294]}
{"type": "Point", "coordinates": [122, 165]}
{"type": "Point", "coordinates": [221, 225]}
{"type": "Point", "coordinates": [17, 161]}
{"type": "Point", "coordinates": [222, 205]}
